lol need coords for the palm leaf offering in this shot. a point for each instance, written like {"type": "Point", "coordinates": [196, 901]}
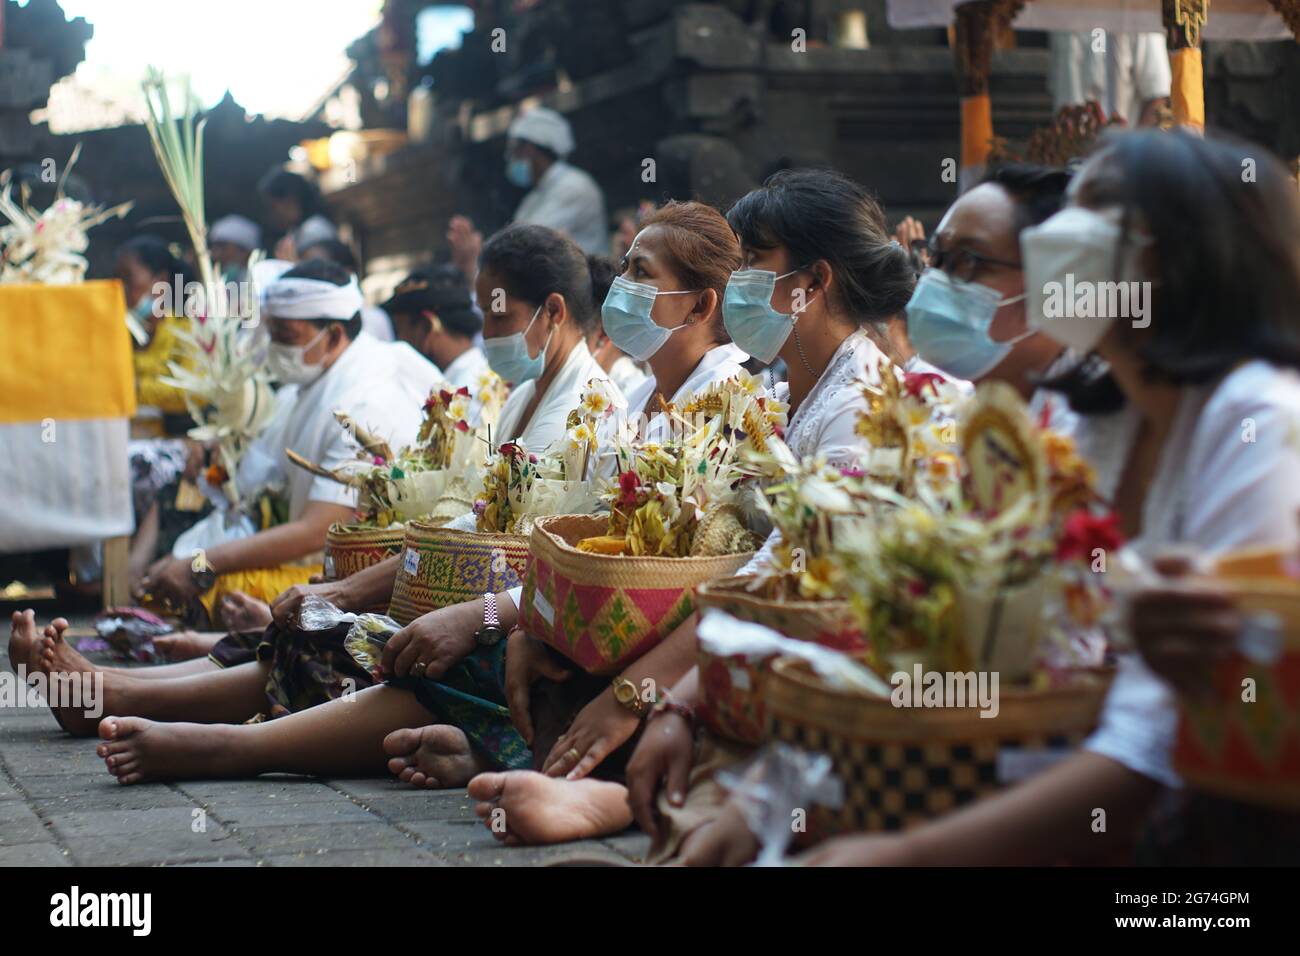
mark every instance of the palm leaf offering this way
{"type": "Point", "coordinates": [227, 390]}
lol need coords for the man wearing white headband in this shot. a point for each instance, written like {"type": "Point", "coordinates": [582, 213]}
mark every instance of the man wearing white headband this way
{"type": "Point", "coordinates": [561, 197]}
{"type": "Point", "coordinates": [324, 363]}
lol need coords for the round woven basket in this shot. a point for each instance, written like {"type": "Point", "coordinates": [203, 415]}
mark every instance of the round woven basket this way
{"type": "Point", "coordinates": [604, 611]}
{"type": "Point", "coordinates": [731, 686]}
{"type": "Point", "coordinates": [350, 548]}
{"type": "Point", "coordinates": [903, 765]}
{"type": "Point", "coordinates": [440, 566]}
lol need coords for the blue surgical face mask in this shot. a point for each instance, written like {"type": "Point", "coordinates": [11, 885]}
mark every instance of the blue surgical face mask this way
{"type": "Point", "coordinates": [627, 319]}
{"type": "Point", "coordinates": [519, 173]}
{"type": "Point", "coordinates": [747, 312]}
{"type": "Point", "coordinates": [508, 356]}
{"type": "Point", "coordinates": [948, 323]}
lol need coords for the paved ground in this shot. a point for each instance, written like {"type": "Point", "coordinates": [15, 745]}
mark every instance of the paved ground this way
{"type": "Point", "coordinates": [59, 807]}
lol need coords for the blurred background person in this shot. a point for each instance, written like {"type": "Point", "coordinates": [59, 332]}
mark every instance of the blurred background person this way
{"type": "Point", "coordinates": [1126, 73]}
{"type": "Point", "coordinates": [560, 196]}
{"type": "Point", "coordinates": [434, 313]}
{"type": "Point", "coordinates": [294, 206]}
{"type": "Point", "coordinates": [231, 240]}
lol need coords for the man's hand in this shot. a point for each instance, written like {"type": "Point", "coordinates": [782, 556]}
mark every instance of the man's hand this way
{"type": "Point", "coordinates": [663, 756]}
{"type": "Point", "coordinates": [437, 640]}
{"type": "Point", "coordinates": [169, 579]}
{"type": "Point", "coordinates": [527, 661]}
{"type": "Point", "coordinates": [466, 243]}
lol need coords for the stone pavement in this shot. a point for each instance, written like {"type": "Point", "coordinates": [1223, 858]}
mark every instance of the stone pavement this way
{"type": "Point", "coordinates": [60, 807]}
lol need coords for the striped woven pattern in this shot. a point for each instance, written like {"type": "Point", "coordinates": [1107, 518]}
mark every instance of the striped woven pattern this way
{"type": "Point", "coordinates": [440, 567]}
{"type": "Point", "coordinates": [604, 611]}
{"type": "Point", "coordinates": [353, 548]}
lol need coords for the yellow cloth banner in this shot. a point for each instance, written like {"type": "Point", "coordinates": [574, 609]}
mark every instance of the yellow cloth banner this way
{"type": "Point", "coordinates": [1187, 87]}
{"type": "Point", "coordinates": [68, 352]}
{"type": "Point", "coordinates": [976, 130]}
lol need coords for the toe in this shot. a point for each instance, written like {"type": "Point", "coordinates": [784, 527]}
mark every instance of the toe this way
{"type": "Point", "coordinates": [487, 786]}
{"type": "Point", "coordinates": [108, 728]}
{"type": "Point", "coordinates": [402, 743]}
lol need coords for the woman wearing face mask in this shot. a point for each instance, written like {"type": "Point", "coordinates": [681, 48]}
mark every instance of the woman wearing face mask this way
{"type": "Point", "coordinates": [818, 266]}
{"type": "Point", "coordinates": [1210, 340]}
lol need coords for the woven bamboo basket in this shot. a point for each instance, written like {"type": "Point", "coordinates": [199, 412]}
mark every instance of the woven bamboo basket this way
{"type": "Point", "coordinates": [604, 611]}
{"type": "Point", "coordinates": [1234, 745]}
{"type": "Point", "coordinates": [731, 688]}
{"type": "Point", "coordinates": [440, 566]}
{"type": "Point", "coordinates": [353, 548]}
{"type": "Point", "coordinates": [903, 765]}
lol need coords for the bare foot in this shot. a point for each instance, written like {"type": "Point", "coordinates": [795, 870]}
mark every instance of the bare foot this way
{"type": "Point", "coordinates": [239, 612]}
{"type": "Point", "coordinates": [76, 689]}
{"type": "Point", "coordinates": [186, 645]}
{"type": "Point", "coordinates": [136, 750]}
{"type": "Point", "coordinates": [540, 809]}
{"type": "Point", "coordinates": [22, 636]}
{"type": "Point", "coordinates": [435, 756]}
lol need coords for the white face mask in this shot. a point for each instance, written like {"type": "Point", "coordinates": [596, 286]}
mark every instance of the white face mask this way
{"type": "Point", "coordinates": [289, 365]}
{"type": "Point", "coordinates": [1073, 255]}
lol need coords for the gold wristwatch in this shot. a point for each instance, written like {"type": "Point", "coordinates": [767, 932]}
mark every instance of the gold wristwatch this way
{"type": "Point", "coordinates": [627, 694]}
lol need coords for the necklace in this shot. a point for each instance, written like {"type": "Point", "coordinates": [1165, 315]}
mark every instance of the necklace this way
{"type": "Point", "coordinates": [798, 342]}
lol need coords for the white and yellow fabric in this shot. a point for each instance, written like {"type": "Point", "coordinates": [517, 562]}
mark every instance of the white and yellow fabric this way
{"type": "Point", "coordinates": [64, 415]}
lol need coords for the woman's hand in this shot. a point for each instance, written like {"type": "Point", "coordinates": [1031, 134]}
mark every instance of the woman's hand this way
{"type": "Point", "coordinates": [437, 640]}
{"type": "Point", "coordinates": [288, 604]}
{"type": "Point", "coordinates": [664, 755]}
{"type": "Point", "coordinates": [1183, 628]}
{"type": "Point", "coordinates": [527, 661]}
{"type": "Point", "coordinates": [600, 728]}
{"type": "Point", "coordinates": [726, 840]}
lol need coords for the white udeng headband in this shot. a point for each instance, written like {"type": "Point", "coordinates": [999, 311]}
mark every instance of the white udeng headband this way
{"type": "Point", "coordinates": [312, 299]}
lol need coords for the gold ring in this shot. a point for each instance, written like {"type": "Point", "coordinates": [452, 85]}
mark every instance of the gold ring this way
{"type": "Point", "coordinates": [572, 754]}
{"type": "Point", "coordinates": [418, 667]}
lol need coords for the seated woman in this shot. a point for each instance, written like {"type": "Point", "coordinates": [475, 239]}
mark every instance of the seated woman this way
{"type": "Point", "coordinates": [345, 736]}
{"type": "Point", "coordinates": [819, 266]}
{"type": "Point", "coordinates": [671, 781]}
{"type": "Point", "coordinates": [1169, 211]}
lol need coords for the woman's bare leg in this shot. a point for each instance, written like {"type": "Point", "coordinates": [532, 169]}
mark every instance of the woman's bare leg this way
{"type": "Point", "coordinates": [345, 736]}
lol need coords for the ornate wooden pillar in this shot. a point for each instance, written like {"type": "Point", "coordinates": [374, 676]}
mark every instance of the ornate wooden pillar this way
{"type": "Point", "coordinates": [1183, 22]}
{"type": "Point", "coordinates": [976, 31]}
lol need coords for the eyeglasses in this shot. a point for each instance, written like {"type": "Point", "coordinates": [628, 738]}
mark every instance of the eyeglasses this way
{"type": "Point", "coordinates": [961, 263]}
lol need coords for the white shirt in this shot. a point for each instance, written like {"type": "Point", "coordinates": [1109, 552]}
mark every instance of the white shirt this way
{"type": "Point", "coordinates": [465, 370]}
{"type": "Point", "coordinates": [716, 365]}
{"type": "Point", "coordinates": [568, 200]}
{"type": "Point", "coordinates": [1228, 477]}
{"type": "Point", "coordinates": [626, 374]}
{"type": "Point", "coordinates": [382, 385]}
{"type": "Point", "coordinates": [1121, 71]}
{"type": "Point", "coordinates": [825, 423]}
{"type": "Point", "coordinates": [561, 396]}
{"type": "Point", "coordinates": [377, 323]}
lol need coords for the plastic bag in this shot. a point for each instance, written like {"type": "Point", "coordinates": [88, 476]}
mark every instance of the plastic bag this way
{"type": "Point", "coordinates": [367, 638]}
{"type": "Point", "coordinates": [128, 632]}
{"type": "Point", "coordinates": [774, 788]}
